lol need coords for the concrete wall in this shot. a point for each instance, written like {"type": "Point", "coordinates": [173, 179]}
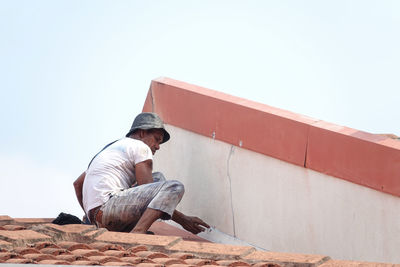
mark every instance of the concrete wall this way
{"type": "Point", "coordinates": [280, 180]}
{"type": "Point", "coordinates": [279, 206]}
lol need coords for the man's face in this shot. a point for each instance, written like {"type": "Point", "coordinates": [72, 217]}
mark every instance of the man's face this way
{"type": "Point", "coordinates": [153, 139]}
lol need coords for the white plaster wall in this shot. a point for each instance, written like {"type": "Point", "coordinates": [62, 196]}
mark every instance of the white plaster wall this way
{"type": "Point", "coordinates": [279, 206]}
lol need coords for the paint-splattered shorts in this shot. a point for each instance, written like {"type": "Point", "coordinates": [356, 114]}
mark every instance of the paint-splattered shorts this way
{"type": "Point", "coordinates": [124, 209]}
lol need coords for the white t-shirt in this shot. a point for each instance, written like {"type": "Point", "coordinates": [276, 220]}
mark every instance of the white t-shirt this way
{"type": "Point", "coordinates": [113, 170]}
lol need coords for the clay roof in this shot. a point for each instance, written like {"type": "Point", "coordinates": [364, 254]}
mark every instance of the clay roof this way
{"type": "Point", "coordinates": [38, 241]}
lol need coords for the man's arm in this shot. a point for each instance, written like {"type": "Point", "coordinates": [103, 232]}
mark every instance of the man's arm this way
{"type": "Point", "coordinates": [143, 172]}
{"type": "Point", "coordinates": [190, 223]}
{"type": "Point", "coordinates": [78, 185]}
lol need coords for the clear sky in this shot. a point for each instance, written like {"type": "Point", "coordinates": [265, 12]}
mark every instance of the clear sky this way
{"type": "Point", "coordinates": [73, 74]}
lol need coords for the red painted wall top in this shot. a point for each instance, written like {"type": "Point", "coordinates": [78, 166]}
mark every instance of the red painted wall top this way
{"type": "Point", "coordinates": [363, 158]}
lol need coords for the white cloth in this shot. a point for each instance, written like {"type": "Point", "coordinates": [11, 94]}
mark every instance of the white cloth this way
{"type": "Point", "coordinates": [113, 170]}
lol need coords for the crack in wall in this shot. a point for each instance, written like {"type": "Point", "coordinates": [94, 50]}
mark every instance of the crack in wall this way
{"type": "Point", "coordinates": [230, 188]}
{"type": "Point", "coordinates": [308, 139]}
{"type": "Point", "coordinates": [305, 155]}
{"type": "Point", "coordinates": [152, 99]}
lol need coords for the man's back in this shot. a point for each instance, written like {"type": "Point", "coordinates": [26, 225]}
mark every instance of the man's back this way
{"type": "Point", "coordinates": [113, 170]}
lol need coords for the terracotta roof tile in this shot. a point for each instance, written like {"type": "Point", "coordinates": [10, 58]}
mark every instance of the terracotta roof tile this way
{"type": "Point", "coordinates": [94, 233]}
{"type": "Point", "coordinates": [24, 236]}
{"type": "Point", "coordinates": [101, 246]}
{"type": "Point", "coordinates": [71, 228]}
{"type": "Point", "coordinates": [136, 260]}
{"type": "Point", "coordinates": [45, 244]}
{"type": "Point", "coordinates": [151, 254]}
{"type": "Point", "coordinates": [55, 251]}
{"type": "Point", "coordinates": [182, 255]}
{"type": "Point", "coordinates": [39, 257]}
{"type": "Point", "coordinates": [265, 264]}
{"type": "Point", "coordinates": [7, 255]}
{"type": "Point", "coordinates": [70, 257]}
{"type": "Point", "coordinates": [19, 260]}
{"type": "Point", "coordinates": [4, 244]}
{"type": "Point", "coordinates": [87, 252]}
{"type": "Point", "coordinates": [211, 249]}
{"type": "Point", "coordinates": [32, 221]}
{"type": "Point", "coordinates": [137, 248]}
{"type": "Point", "coordinates": [168, 261]}
{"type": "Point", "coordinates": [200, 262]}
{"type": "Point", "coordinates": [26, 250]}
{"type": "Point", "coordinates": [129, 239]}
{"type": "Point", "coordinates": [4, 219]}
{"type": "Point", "coordinates": [104, 259]}
{"type": "Point", "coordinates": [13, 227]}
{"type": "Point", "coordinates": [73, 245]}
{"type": "Point", "coordinates": [117, 253]}
{"type": "Point", "coordinates": [62, 245]}
{"type": "Point", "coordinates": [54, 262]}
{"type": "Point", "coordinates": [84, 262]}
{"type": "Point", "coordinates": [145, 264]}
{"type": "Point", "coordinates": [232, 263]}
{"type": "Point", "coordinates": [285, 258]}
{"type": "Point", "coordinates": [117, 264]}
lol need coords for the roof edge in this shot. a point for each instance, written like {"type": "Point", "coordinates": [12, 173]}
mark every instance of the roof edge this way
{"type": "Point", "coordinates": [367, 159]}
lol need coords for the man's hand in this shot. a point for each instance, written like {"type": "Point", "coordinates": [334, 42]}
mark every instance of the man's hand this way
{"type": "Point", "coordinates": [192, 224]}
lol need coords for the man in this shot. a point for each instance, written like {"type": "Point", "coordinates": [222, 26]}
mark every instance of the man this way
{"type": "Point", "coordinates": [118, 191]}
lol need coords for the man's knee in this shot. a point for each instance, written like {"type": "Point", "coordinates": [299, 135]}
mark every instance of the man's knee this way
{"type": "Point", "coordinates": [175, 187]}
{"type": "Point", "coordinates": [158, 177]}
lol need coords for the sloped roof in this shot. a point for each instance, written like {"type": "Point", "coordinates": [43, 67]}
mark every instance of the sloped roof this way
{"type": "Point", "coordinates": [37, 241]}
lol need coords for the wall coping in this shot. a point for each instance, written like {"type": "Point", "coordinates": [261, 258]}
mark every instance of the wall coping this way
{"type": "Point", "coordinates": [367, 159]}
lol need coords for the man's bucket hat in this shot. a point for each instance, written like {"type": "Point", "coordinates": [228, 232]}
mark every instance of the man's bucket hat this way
{"type": "Point", "coordinates": [147, 121]}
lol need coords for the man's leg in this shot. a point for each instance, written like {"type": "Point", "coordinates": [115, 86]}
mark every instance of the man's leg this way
{"type": "Point", "coordinates": [161, 206]}
{"type": "Point", "coordinates": [141, 206]}
{"type": "Point", "coordinates": [150, 215]}
{"type": "Point", "coordinates": [147, 219]}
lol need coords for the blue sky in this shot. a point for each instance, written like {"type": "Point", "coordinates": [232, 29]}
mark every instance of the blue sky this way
{"type": "Point", "coordinates": [73, 74]}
